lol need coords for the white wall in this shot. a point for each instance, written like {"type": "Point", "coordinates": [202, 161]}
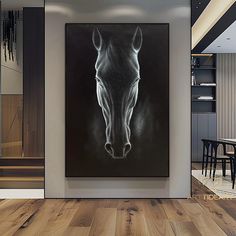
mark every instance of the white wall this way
{"type": "Point", "coordinates": [12, 71]}
{"type": "Point", "coordinates": [177, 13]}
{"type": "Point", "coordinates": [16, 4]}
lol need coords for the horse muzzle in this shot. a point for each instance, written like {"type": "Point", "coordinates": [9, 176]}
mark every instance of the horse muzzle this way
{"type": "Point", "coordinates": [117, 151]}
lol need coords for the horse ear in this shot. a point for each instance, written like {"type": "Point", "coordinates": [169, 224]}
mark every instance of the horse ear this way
{"type": "Point", "coordinates": [97, 39]}
{"type": "Point", "coordinates": [137, 40]}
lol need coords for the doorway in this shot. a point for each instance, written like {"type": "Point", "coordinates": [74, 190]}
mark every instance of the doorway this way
{"type": "Point", "coordinates": [213, 85]}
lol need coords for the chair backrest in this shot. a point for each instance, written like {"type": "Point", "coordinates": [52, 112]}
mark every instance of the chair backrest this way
{"type": "Point", "coordinates": [211, 147]}
{"type": "Point", "coordinates": [206, 146]}
{"type": "Point", "coordinates": [232, 147]}
{"type": "Point", "coordinates": [215, 147]}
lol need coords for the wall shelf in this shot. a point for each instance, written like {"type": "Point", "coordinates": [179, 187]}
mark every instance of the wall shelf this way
{"type": "Point", "coordinates": [203, 100]}
{"type": "Point", "coordinates": [204, 68]}
{"type": "Point", "coordinates": [204, 71]}
{"type": "Point", "coordinates": [203, 86]}
{"type": "Point", "coordinates": [203, 112]}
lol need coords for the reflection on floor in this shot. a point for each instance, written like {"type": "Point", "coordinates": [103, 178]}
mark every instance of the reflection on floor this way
{"type": "Point", "coordinates": [11, 125]}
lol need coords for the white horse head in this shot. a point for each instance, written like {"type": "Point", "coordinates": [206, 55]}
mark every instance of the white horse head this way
{"type": "Point", "coordinates": [117, 76]}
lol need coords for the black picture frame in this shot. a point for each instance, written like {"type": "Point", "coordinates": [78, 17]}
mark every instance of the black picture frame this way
{"type": "Point", "coordinates": [74, 167]}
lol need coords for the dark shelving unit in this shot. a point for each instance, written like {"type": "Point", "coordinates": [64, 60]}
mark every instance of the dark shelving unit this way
{"type": "Point", "coordinates": [204, 71]}
{"type": "Point", "coordinates": [204, 68]}
{"type": "Point", "coordinates": [204, 110]}
{"type": "Point", "coordinates": [204, 86]}
{"type": "Point", "coordinates": [203, 100]}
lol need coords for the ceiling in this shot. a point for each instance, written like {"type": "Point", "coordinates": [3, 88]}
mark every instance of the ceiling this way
{"type": "Point", "coordinates": [18, 4]}
{"type": "Point", "coordinates": [225, 43]}
{"type": "Point", "coordinates": [197, 8]}
{"type": "Point", "coordinates": [219, 35]}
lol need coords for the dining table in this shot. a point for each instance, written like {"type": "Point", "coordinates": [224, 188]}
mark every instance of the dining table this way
{"type": "Point", "coordinates": [228, 140]}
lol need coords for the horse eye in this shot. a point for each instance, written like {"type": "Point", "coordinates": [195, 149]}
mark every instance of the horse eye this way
{"type": "Point", "coordinates": [136, 80]}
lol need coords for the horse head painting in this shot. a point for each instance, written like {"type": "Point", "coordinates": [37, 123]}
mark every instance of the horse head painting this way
{"type": "Point", "coordinates": [117, 99]}
{"type": "Point", "coordinates": [117, 84]}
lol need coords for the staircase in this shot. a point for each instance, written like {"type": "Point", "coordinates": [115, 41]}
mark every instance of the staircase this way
{"type": "Point", "coordinates": [22, 172]}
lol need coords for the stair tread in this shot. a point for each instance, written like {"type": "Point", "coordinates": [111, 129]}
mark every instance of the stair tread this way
{"type": "Point", "coordinates": [22, 179]}
{"type": "Point", "coordinates": [22, 158]}
{"type": "Point", "coordinates": [21, 167]}
{"type": "Point", "coordinates": [11, 144]}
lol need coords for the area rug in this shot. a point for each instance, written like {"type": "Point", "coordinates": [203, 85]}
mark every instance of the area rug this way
{"type": "Point", "coordinates": [222, 186]}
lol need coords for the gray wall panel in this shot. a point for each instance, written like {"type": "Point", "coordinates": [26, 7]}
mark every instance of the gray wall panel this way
{"type": "Point", "coordinates": [212, 131]}
{"type": "Point", "coordinates": [226, 95]}
{"type": "Point", "coordinates": [203, 126]}
{"type": "Point", "coordinates": [202, 132]}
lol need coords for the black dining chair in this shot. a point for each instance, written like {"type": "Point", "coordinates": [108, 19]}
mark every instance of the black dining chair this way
{"type": "Point", "coordinates": [232, 155]}
{"type": "Point", "coordinates": [216, 157]}
{"type": "Point", "coordinates": [233, 159]}
{"type": "Point", "coordinates": [205, 155]}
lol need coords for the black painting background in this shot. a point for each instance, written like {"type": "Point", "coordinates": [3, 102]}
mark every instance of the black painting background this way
{"type": "Point", "coordinates": [85, 126]}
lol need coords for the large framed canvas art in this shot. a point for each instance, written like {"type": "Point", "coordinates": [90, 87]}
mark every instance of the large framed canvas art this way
{"type": "Point", "coordinates": [117, 100]}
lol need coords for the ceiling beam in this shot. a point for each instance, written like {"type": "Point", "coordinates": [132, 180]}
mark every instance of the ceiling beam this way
{"type": "Point", "coordinates": [209, 17]}
{"type": "Point", "coordinates": [225, 21]}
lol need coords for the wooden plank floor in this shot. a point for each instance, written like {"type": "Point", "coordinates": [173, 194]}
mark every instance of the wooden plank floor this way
{"type": "Point", "coordinates": [194, 216]}
{"type": "Point", "coordinates": [199, 215]}
{"type": "Point", "coordinates": [198, 189]}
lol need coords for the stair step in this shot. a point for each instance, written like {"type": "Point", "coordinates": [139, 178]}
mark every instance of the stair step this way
{"type": "Point", "coordinates": [21, 167]}
{"type": "Point", "coordinates": [22, 158]}
{"type": "Point", "coordinates": [21, 179]}
{"type": "Point", "coordinates": [11, 144]}
{"type": "Point", "coordinates": [23, 161]}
